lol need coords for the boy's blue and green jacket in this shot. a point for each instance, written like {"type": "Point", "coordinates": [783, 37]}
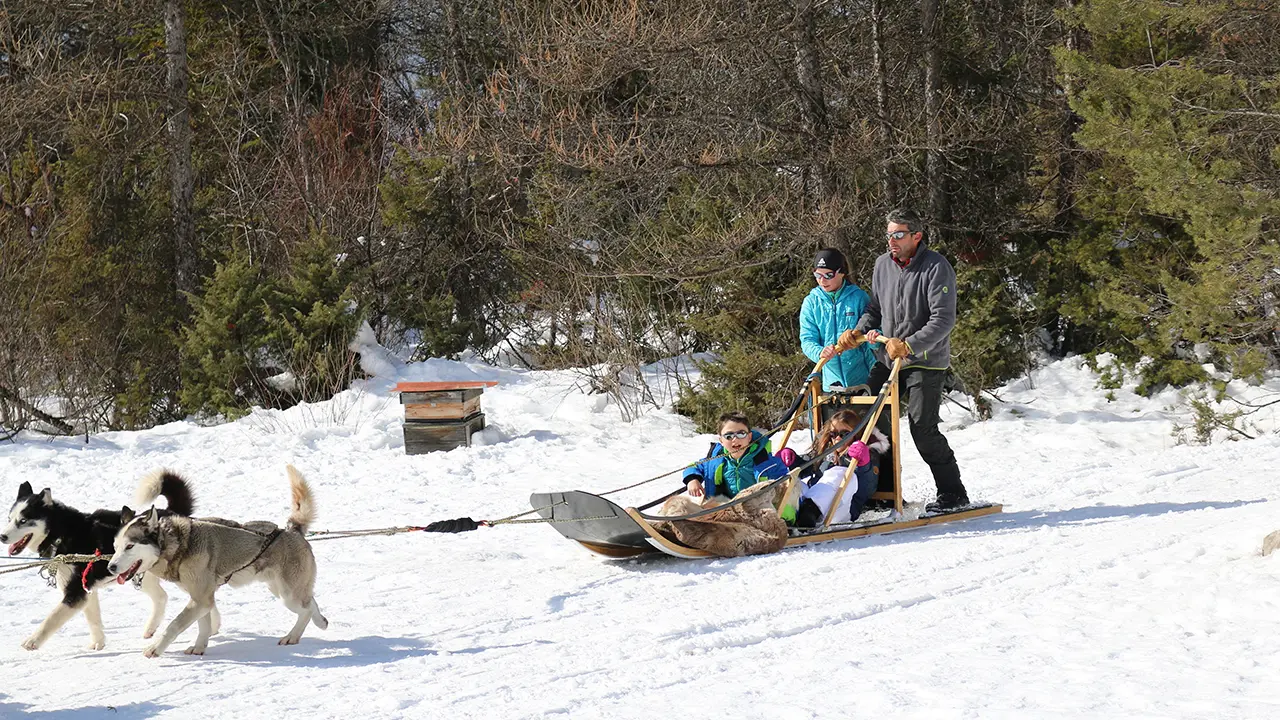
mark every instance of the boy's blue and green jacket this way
{"type": "Point", "coordinates": [721, 474]}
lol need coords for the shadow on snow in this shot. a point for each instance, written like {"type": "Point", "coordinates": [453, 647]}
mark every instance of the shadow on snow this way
{"type": "Point", "coordinates": [9, 709]}
{"type": "Point", "coordinates": [1004, 522]}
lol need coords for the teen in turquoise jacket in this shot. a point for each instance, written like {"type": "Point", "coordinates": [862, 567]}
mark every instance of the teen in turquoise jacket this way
{"type": "Point", "coordinates": [832, 307]}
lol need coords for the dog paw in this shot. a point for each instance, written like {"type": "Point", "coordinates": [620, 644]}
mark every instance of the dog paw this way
{"type": "Point", "coordinates": [97, 644]}
{"type": "Point", "coordinates": [152, 652]}
{"type": "Point", "coordinates": [148, 634]}
{"type": "Point", "coordinates": [31, 643]}
{"type": "Point", "coordinates": [287, 640]}
{"type": "Point", "coordinates": [193, 650]}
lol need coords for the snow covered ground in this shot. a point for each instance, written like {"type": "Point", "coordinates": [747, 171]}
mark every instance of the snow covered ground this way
{"type": "Point", "coordinates": [1123, 579]}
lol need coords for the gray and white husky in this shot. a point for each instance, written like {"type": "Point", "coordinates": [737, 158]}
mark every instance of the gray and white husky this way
{"type": "Point", "coordinates": [200, 555]}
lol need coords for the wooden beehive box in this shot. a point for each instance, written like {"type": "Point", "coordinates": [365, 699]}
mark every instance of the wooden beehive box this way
{"type": "Point", "coordinates": [440, 415]}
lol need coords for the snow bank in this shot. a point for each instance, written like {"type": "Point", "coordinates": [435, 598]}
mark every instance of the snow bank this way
{"type": "Point", "coordinates": [1122, 580]}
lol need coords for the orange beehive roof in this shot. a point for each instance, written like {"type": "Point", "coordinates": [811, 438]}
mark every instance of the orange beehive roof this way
{"type": "Point", "coordinates": [432, 386]}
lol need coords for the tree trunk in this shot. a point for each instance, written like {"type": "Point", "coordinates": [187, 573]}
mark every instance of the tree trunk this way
{"type": "Point", "coordinates": [454, 60]}
{"type": "Point", "coordinates": [939, 208]}
{"type": "Point", "coordinates": [181, 180]}
{"type": "Point", "coordinates": [1062, 330]}
{"type": "Point", "coordinates": [1067, 149]}
{"type": "Point", "coordinates": [12, 397]}
{"type": "Point", "coordinates": [812, 98]}
{"type": "Point", "coordinates": [888, 188]}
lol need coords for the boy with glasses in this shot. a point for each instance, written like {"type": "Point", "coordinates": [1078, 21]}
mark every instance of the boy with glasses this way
{"type": "Point", "coordinates": [738, 461]}
{"type": "Point", "coordinates": [832, 307]}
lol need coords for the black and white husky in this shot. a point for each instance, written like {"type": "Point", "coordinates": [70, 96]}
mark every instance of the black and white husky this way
{"type": "Point", "coordinates": [39, 523]}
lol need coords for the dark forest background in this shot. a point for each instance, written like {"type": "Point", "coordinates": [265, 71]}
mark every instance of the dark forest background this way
{"type": "Point", "coordinates": [200, 202]}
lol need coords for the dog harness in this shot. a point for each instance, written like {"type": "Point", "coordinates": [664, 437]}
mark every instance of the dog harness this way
{"type": "Point", "coordinates": [270, 539]}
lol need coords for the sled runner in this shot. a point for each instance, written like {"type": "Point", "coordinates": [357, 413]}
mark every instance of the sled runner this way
{"type": "Point", "coordinates": [608, 529]}
{"type": "Point", "coordinates": [626, 532]}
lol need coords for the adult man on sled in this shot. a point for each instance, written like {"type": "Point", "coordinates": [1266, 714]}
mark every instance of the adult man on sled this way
{"type": "Point", "coordinates": [913, 301]}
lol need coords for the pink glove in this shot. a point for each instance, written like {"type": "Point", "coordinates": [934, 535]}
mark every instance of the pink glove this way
{"type": "Point", "coordinates": [859, 452]}
{"type": "Point", "coordinates": [788, 457]}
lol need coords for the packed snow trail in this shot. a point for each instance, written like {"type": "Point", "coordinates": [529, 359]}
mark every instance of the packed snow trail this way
{"type": "Point", "coordinates": [1122, 580]}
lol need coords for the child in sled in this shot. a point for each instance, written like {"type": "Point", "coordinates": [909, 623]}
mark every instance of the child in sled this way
{"type": "Point", "coordinates": [741, 459]}
{"type": "Point", "coordinates": [739, 465]}
{"type": "Point", "coordinates": [823, 478]}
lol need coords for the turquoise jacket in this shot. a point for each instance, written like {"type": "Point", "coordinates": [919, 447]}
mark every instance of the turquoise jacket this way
{"type": "Point", "coordinates": [721, 474]}
{"type": "Point", "coordinates": [822, 320]}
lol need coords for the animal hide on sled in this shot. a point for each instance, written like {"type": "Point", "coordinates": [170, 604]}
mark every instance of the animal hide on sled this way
{"type": "Point", "coordinates": [749, 528]}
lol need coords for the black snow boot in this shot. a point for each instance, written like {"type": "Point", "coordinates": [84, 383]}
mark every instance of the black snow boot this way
{"type": "Point", "coordinates": [808, 515]}
{"type": "Point", "coordinates": [947, 503]}
{"type": "Point", "coordinates": [951, 492]}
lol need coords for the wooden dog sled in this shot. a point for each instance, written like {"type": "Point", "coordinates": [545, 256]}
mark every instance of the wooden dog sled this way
{"type": "Point", "coordinates": [608, 529]}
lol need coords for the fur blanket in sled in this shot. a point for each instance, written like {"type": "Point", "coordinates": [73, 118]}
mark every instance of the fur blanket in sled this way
{"type": "Point", "coordinates": [749, 528]}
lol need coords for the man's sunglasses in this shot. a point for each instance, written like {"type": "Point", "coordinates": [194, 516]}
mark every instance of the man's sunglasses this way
{"type": "Point", "coordinates": [898, 234]}
{"type": "Point", "coordinates": [824, 275]}
{"type": "Point", "coordinates": [736, 435]}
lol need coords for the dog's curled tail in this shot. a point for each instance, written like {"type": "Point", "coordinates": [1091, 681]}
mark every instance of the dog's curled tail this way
{"type": "Point", "coordinates": [1270, 543]}
{"type": "Point", "coordinates": [169, 484]}
{"type": "Point", "coordinates": [304, 508]}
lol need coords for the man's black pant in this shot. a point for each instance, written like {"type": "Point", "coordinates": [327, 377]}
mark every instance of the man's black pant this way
{"type": "Point", "coordinates": [921, 389]}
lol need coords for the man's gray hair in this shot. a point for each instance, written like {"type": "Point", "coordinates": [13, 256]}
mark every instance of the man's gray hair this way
{"type": "Point", "coordinates": [906, 216]}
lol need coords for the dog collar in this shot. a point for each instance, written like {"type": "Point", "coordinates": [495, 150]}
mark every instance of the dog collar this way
{"type": "Point", "coordinates": [49, 547]}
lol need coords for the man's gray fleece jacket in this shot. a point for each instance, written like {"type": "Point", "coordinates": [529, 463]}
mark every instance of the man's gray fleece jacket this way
{"type": "Point", "coordinates": [917, 304]}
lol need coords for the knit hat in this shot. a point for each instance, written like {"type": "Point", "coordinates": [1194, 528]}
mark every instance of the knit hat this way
{"type": "Point", "coordinates": [829, 259]}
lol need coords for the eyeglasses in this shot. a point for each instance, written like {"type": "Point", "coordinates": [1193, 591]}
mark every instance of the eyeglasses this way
{"type": "Point", "coordinates": [736, 435]}
{"type": "Point", "coordinates": [898, 234]}
{"type": "Point", "coordinates": [818, 274]}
